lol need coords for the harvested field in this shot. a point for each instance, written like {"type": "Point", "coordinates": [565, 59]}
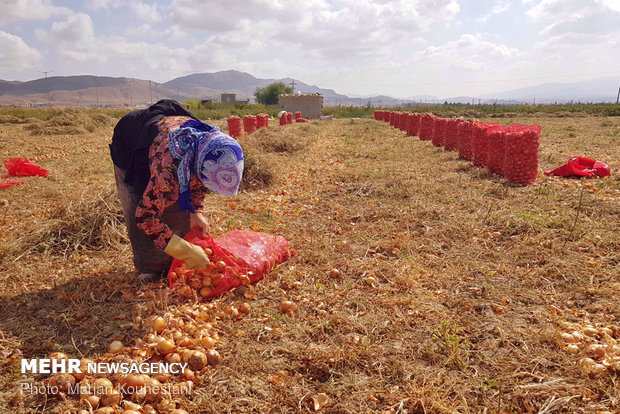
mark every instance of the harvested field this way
{"type": "Point", "coordinates": [455, 291]}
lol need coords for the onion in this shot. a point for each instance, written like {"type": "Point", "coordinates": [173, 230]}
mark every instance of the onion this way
{"type": "Point", "coordinates": [62, 382]}
{"type": "Point", "coordinates": [128, 405]}
{"type": "Point", "coordinates": [288, 307]}
{"type": "Point", "coordinates": [216, 279]}
{"type": "Point", "coordinates": [213, 357]}
{"type": "Point", "coordinates": [245, 280]}
{"type": "Point", "coordinates": [197, 360]}
{"type": "Point", "coordinates": [207, 342]}
{"type": "Point", "coordinates": [572, 348]}
{"type": "Point", "coordinates": [58, 356]}
{"type": "Point", "coordinates": [334, 273]}
{"type": "Point", "coordinates": [220, 265]}
{"type": "Point", "coordinates": [568, 338]}
{"type": "Point", "coordinates": [370, 281]}
{"type": "Point", "coordinates": [206, 292]}
{"type": "Point", "coordinates": [102, 386]}
{"type": "Point", "coordinates": [79, 376]}
{"type": "Point", "coordinates": [115, 347]}
{"type": "Point", "coordinates": [105, 410]}
{"type": "Point", "coordinates": [188, 374]}
{"type": "Point", "coordinates": [134, 381]}
{"type": "Point", "coordinates": [159, 324]}
{"type": "Point", "coordinates": [596, 351]}
{"type": "Point", "coordinates": [165, 347]}
{"type": "Point", "coordinates": [91, 401]}
{"type": "Point", "coordinates": [590, 331]}
{"type": "Point", "coordinates": [112, 398]}
{"type": "Point", "coordinates": [244, 307]}
{"type": "Point", "coordinates": [172, 357]}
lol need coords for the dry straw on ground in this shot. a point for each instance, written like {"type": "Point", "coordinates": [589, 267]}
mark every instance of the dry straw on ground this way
{"type": "Point", "coordinates": [453, 288]}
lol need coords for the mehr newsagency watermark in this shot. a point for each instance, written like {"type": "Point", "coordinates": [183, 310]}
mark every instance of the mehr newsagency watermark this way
{"type": "Point", "coordinates": [75, 366]}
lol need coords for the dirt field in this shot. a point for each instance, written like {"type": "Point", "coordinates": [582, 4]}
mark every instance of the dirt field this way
{"type": "Point", "coordinates": [457, 292]}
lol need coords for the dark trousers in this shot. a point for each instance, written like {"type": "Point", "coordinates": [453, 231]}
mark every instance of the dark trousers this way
{"type": "Point", "coordinates": [147, 257]}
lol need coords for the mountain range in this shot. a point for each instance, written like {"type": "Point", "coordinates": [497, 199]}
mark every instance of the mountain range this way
{"type": "Point", "coordinates": [88, 90]}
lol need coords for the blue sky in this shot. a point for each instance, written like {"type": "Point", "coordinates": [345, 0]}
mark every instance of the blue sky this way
{"type": "Point", "coordinates": [362, 47]}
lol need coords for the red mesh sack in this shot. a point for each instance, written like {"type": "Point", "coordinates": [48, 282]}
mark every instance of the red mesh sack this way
{"type": "Point", "coordinates": [23, 167]}
{"type": "Point", "coordinates": [495, 148]}
{"type": "Point", "coordinates": [234, 126]}
{"type": "Point", "coordinates": [9, 183]}
{"type": "Point", "coordinates": [248, 256]}
{"type": "Point", "coordinates": [297, 115]}
{"type": "Point", "coordinates": [521, 153]}
{"type": "Point", "coordinates": [300, 119]}
{"type": "Point", "coordinates": [262, 121]}
{"type": "Point", "coordinates": [479, 144]}
{"type": "Point", "coordinates": [289, 117]}
{"type": "Point", "coordinates": [378, 115]}
{"type": "Point", "coordinates": [249, 124]}
{"type": "Point", "coordinates": [283, 119]}
{"type": "Point", "coordinates": [404, 122]}
{"type": "Point", "coordinates": [438, 132]}
{"type": "Point", "coordinates": [414, 125]}
{"type": "Point", "coordinates": [581, 167]}
{"type": "Point", "coordinates": [386, 116]}
{"type": "Point", "coordinates": [451, 134]}
{"type": "Point", "coordinates": [463, 143]}
{"type": "Point", "coordinates": [427, 126]}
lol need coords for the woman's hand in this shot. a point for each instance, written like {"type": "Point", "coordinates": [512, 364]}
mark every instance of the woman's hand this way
{"type": "Point", "coordinates": [198, 219]}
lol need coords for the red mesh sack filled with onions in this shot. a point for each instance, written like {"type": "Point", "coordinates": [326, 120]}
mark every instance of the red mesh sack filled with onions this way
{"type": "Point", "coordinates": [451, 134]}
{"type": "Point", "coordinates": [262, 121]}
{"type": "Point", "coordinates": [249, 124]}
{"type": "Point", "coordinates": [238, 258]}
{"type": "Point", "coordinates": [521, 153]}
{"type": "Point", "coordinates": [427, 126]}
{"type": "Point", "coordinates": [414, 125]}
{"type": "Point", "coordinates": [464, 138]}
{"type": "Point", "coordinates": [479, 143]}
{"type": "Point", "coordinates": [378, 115]}
{"type": "Point", "coordinates": [404, 122]}
{"type": "Point", "coordinates": [496, 143]}
{"type": "Point", "coordinates": [234, 126]}
{"type": "Point", "coordinates": [438, 132]}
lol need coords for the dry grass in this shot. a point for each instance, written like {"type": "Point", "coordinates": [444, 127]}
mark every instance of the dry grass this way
{"type": "Point", "coordinates": [475, 277]}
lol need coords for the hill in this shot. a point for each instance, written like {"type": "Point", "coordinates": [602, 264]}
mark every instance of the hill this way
{"type": "Point", "coordinates": [88, 90]}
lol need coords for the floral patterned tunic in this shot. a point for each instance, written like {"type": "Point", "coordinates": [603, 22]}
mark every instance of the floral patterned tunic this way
{"type": "Point", "coordinates": [162, 190]}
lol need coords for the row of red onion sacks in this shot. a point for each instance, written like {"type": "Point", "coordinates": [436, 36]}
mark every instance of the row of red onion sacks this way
{"type": "Point", "coordinates": [508, 150]}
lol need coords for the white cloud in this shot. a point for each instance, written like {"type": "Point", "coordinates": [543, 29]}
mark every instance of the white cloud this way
{"type": "Point", "coordinates": [497, 8]}
{"type": "Point", "coordinates": [146, 12]}
{"type": "Point", "coordinates": [469, 52]}
{"type": "Point", "coordinates": [16, 55]}
{"type": "Point", "coordinates": [12, 10]}
{"type": "Point", "coordinates": [76, 29]}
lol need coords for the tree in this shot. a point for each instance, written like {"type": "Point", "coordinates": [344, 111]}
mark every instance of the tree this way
{"type": "Point", "coordinates": [269, 94]}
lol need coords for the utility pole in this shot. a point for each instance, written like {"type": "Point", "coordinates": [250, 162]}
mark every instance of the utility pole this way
{"type": "Point", "coordinates": [97, 91]}
{"type": "Point", "coordinates": [293, 85]}
{"type": "Point", "coordinates": [618, 97]}
{"type": "Point", "coordinates": [49, 99]}
{"type": "Point", "coordinates": [151, 91]}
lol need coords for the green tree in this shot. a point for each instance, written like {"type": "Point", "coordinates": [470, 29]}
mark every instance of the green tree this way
{"type": "Point", "coordinates": [269, 94]}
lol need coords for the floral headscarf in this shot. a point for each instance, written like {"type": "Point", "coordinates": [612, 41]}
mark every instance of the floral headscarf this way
{"type": "Point", "coordinates": [209, 154]}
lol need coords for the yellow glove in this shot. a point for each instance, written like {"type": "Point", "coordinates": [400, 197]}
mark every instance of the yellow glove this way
{"type": "Point", "coordinates": [193, 256]}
